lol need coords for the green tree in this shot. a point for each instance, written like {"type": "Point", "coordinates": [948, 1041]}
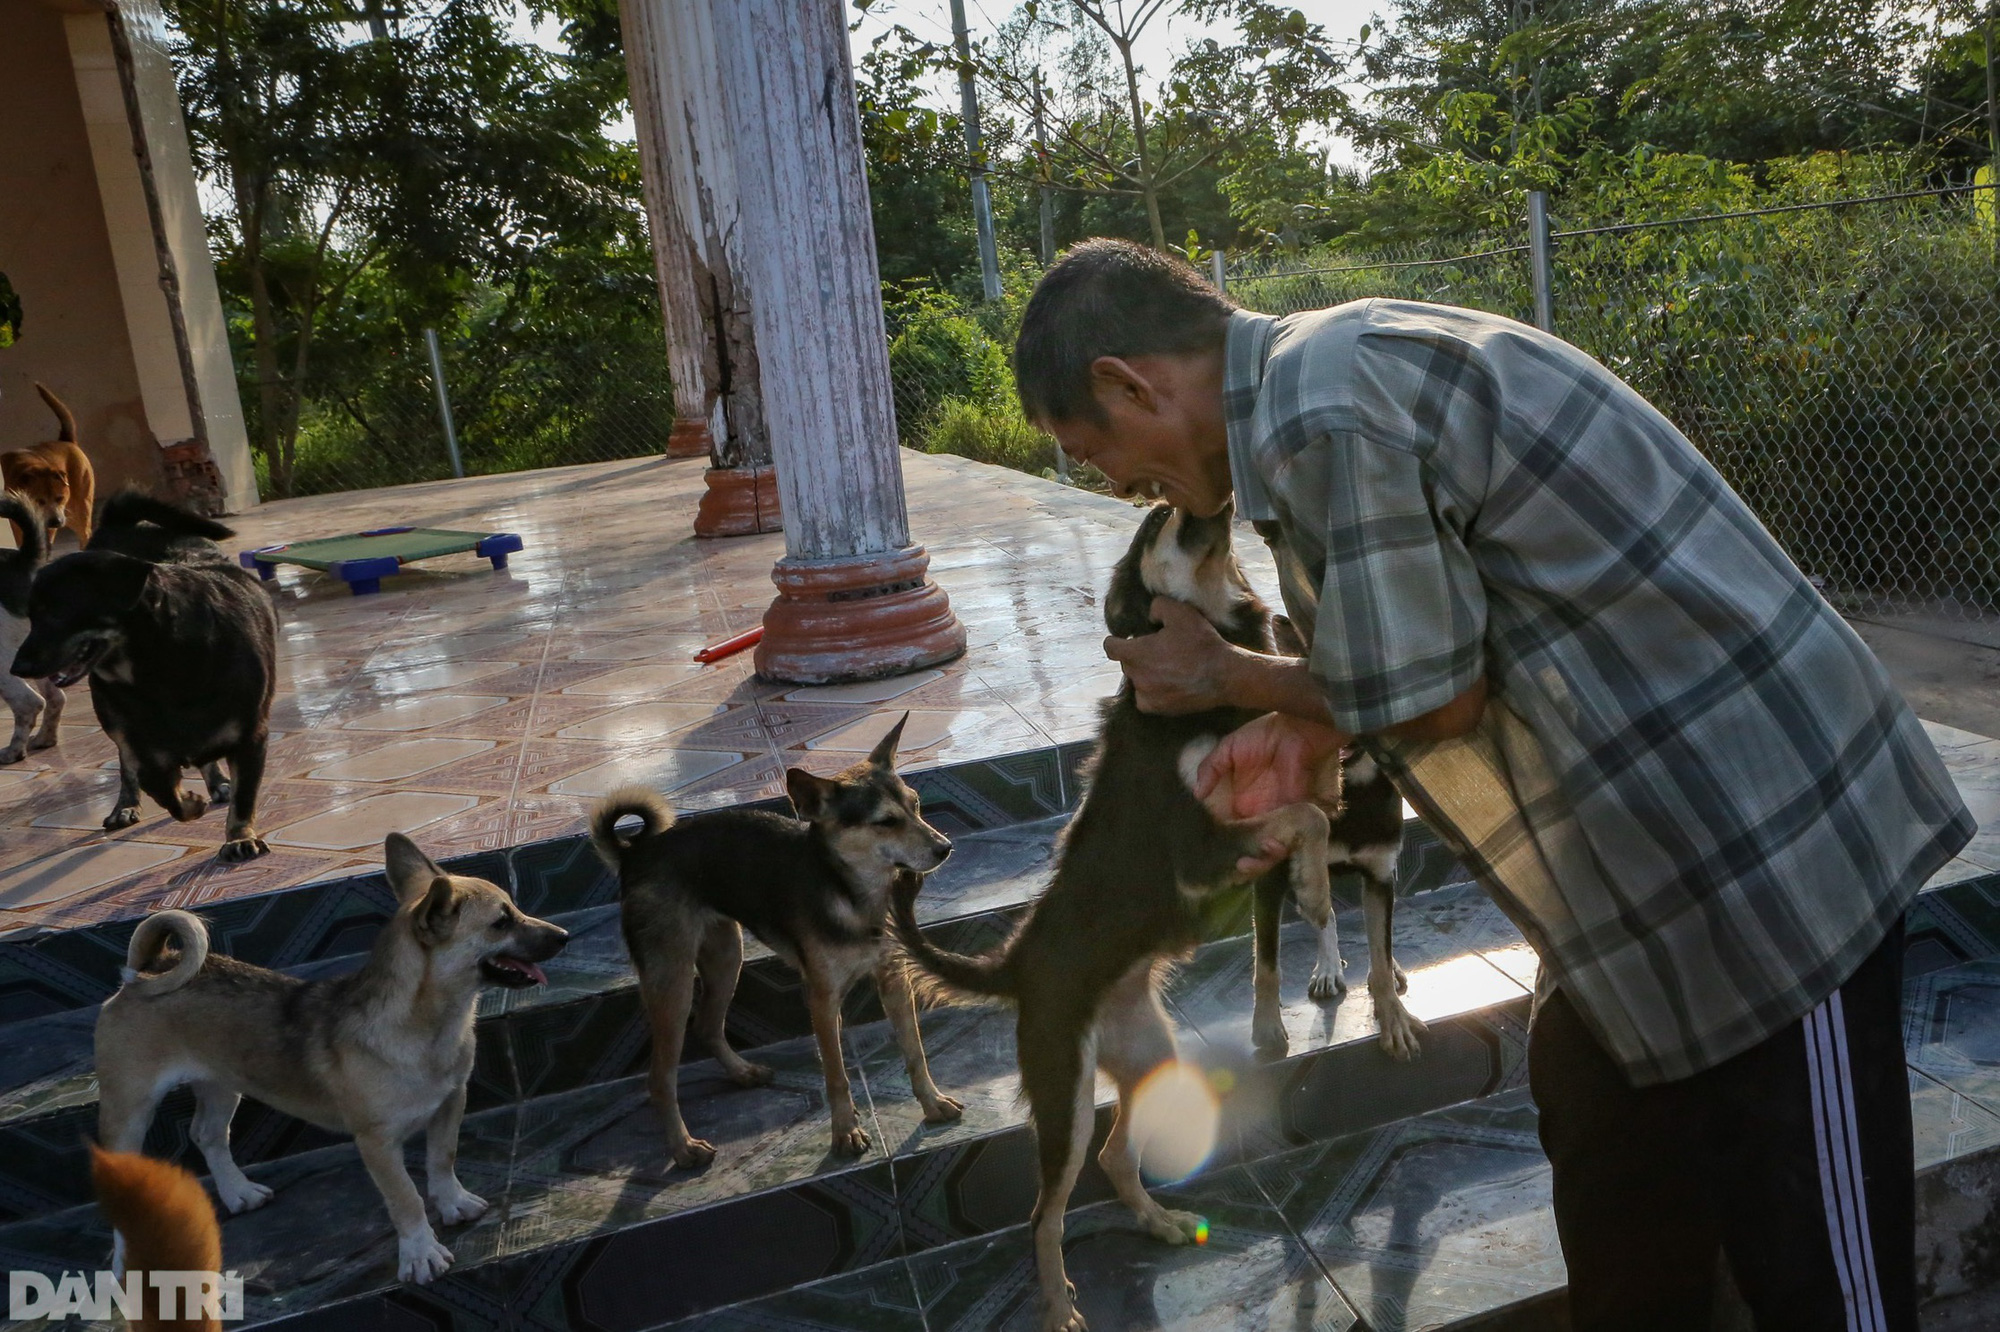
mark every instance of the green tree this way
{"type": "Point", "coordinates": [429, 151]}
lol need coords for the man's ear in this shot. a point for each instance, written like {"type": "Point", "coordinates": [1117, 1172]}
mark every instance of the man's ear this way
{"type": "Point", "coordinates": [884, 753]}
{"type": "Point", "coordinates": [809, 793]}
{"type": "Point", "coordinates": [1115, 381]}
{"type": "Point", "coordinates": [436, 913]}
{"type": "Point", "coordinates": [410, 870]}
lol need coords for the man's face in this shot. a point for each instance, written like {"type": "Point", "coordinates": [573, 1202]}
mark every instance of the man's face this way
{"type": "Point", "coordinates": [1162, 436]}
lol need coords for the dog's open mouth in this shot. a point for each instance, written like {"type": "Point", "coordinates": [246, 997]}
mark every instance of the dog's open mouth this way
{"type": "Point", "coordinates": [512, 972]}
{"type": "Point", "coordinates": [79, 664]}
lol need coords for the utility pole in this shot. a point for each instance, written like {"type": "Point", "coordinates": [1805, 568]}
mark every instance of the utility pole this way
{"type": "Point", "coordinates": [1046, 192]}
{"type": "Point", "coordinates": [982, 199]}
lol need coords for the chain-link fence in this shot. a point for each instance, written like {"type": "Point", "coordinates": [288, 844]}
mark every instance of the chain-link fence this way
{"type": "Point", "coordinates": [514, 403]}
{"type": "Point", "coordinates": [1838, 362]}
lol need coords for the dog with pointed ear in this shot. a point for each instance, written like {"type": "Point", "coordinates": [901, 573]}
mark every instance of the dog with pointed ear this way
{"type": "Point", "coordinates": [378, 1053]}
{"type": "Point", "coordinates": [815, 888]}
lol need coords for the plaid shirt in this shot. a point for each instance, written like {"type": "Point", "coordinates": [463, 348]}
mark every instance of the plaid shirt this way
{"type": "Point", "coordinates": [1694, 789]}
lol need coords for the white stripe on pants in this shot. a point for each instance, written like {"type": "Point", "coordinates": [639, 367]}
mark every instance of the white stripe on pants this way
{"type": "Point", "coordinates": [1839, 1146]}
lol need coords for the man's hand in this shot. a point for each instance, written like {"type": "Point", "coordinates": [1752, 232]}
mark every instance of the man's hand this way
{"type": "Point", "coordinates": [1265, 765]}
{"type": "Point", "coordinates": [1185, 667]}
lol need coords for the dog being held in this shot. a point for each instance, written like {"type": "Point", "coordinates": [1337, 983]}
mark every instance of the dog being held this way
{"type": "Point", "coordinates": [36, 705]}
{"type": "Point", "coordinates": [814, 889]}
{"type": "Point", "coordinates": [1365, 836]}
{"type": "Point", "coordinates": [379, 1053]}
{"type": "Point", "coordinates": [181, 649]}
{"type": "Point", "coordinates": [1084, 969]}
{"type": "Point", "coordinates": [55, 478]}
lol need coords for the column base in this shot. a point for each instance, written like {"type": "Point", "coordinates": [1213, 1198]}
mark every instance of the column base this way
{"type": "Point", "coordinates": [739, 501]}
{"type": "Point", "coordinates": [859, 618]}
{"type": "Point", "coordinates": [688, 439]}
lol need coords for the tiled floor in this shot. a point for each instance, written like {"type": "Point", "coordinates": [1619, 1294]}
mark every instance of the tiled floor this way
{"type": "Point", "coordinates": [477, 709]}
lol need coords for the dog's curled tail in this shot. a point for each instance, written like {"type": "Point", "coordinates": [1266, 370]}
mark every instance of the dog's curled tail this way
{"type": "Point", "coordinates": [34, 540]}
{"type": "Point", "coordinates": [153, 931]}
{"type": "Point", "coordinates": [129, 508]}
{"type": "Point", "coordinates": [635, 802]}
{"type": "Point", "coordinates": [166, 1220]}
{"type": "Point", "coordinates": [63, 418]}
{"type": "Point", "coordinates": [988, 975]}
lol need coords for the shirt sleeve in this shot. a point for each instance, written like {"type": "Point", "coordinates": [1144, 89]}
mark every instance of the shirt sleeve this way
{"type": "Point", "coordinates": [1402, 614]}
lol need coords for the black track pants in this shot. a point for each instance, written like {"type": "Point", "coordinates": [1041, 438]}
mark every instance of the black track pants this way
{"type": "Point", "coordinates": [1794, 1158]}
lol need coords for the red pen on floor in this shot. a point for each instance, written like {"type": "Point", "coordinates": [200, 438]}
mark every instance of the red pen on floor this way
{"type": "Point", "coordinates": [729, 647]}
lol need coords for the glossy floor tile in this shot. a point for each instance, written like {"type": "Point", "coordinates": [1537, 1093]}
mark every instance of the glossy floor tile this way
{"type": "Point", "coordinates": [532, 691]}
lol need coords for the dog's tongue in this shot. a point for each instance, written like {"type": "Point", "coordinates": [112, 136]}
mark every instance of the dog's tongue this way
{"type": "Point", "coordinates": [528, 969]}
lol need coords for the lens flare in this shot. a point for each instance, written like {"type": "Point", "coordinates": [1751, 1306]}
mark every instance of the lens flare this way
{"type": "Point", "coordinates": [1201, 1231]}
{"type": "Point", "coordinates": [1175, 1119]}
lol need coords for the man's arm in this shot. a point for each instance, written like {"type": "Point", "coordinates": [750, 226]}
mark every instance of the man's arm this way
{"type": "Point", "coordinates": [1188, 667]}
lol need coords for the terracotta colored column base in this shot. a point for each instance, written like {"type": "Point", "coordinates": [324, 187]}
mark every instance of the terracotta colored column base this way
{"type": "Point", "coordinates": [739, 501]}
{"type": "Point", "coordinates": [859, 618]}
{"type": "Point", "coordinates": [688, 439]}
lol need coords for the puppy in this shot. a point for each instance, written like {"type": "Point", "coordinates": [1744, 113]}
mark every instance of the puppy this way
{"type": "Point", "coordinates": [1084, 968]}
{"type": "Point", "coordinates": [164, 1223]}
{"type": "Point", "coordinates": [380, 1053]}
{"type": "Point", "coordinates": [814, 889]}
{"type": "Point", "coordinates": [37, 705]}
{"type": "Point", "coordinates": [55, 477]}
{"type": "Point", "coordinates": [1366, 836]}
{"type": "Point", "coordinates": [181, 649]}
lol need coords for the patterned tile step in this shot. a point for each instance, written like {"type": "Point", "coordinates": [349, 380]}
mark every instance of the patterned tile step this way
{"type": "Point", "coordinates": [1438, 1221]}
{"type": "Point", "coordinates": [50, 971]}
{"type": "Point", "coordinates": [584, 1026]}
{"type": "Point", "coordinates": [579, 1174]}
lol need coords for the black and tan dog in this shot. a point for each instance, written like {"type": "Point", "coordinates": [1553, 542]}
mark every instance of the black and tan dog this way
{"type": "Point", "coordinates": [1141, 853]}
{"type": "Point", "coordinates": [181, 649]}
{"type": "Point", "coordinates": [814, 889]}
{"type": "Point", "coordinates": [381, 1053]}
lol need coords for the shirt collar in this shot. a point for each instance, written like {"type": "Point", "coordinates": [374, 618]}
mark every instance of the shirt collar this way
{"type": "Point", "coordinates": [1246, 345]}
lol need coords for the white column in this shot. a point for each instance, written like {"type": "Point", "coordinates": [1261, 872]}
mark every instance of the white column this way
{"type": "Point", "coordinates": [854, 599]}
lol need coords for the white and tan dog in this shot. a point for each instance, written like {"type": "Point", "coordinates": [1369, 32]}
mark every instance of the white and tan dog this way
{"type": "Point", "coordinates": [379, 1053]}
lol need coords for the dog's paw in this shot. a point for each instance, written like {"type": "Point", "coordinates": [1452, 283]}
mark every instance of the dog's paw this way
{"type": "Point", "coordinates": [460, 1207]}
{"type": "Point", "coordinates": [1402, 1034]}
{"type": "Point", "coordinates": [420, 1258]}
{"type": "Point", "coordinates": [850, 1142]}
{"type": "Point", "coordinates": [692, 1154]}
{"type": "Point", "coordinates": [752, 1075]}
{"type": "Point", "coordinates": [188, 806]}
{"type": "Point", "coordinates": [1326, 985]}
{"type": "Point", "coordinates": [46, 740]}
{"type": "Point", "coordinates": [246, 1196]}
{"type": "Point", "coordinates": [1067, 1318]}
{"type": "Point", "coordinates": [242, 849]}
{"type": "Point", "coordinates": [12, 754]}
{"type": "Point", "coordinates": [218, 792]}
{"type": "Point", "coordinates": [1267, 1033]}
{"type": "Point", "coordinates": [1171, 1227]}
{"type": "Point", "coordinates": [122, 817]}
{"type": "Point", "coordinates": [947, 1109]}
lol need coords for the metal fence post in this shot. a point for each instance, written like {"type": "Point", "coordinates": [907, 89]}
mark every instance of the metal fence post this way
{"type": "Point", "coordinates": [1538, 260]}
{"type": "Point", "coordinates": [444, 402]}
{"type": "Point", "coordinates": [1218, 262]}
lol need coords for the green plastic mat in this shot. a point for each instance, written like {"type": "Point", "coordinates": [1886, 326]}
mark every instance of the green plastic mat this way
{"type": "Point", "coordinates": [416, 543]}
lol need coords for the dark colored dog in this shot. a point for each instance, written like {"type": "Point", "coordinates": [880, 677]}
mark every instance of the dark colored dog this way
{"type": "Point", "coordinates": [1139, 856]}
{"type": "Point", "coordinates": [815, 889]}
{"type": "Point", "coordinates": [181, 649]}
{"type": "Point", "coordinates": [36, 705]}
{"type": "Point", "coordinates": [1366, 836]}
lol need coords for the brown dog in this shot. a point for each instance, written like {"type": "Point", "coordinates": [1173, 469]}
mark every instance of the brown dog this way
{"type": "Point", "coordinates": [54, 477]}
